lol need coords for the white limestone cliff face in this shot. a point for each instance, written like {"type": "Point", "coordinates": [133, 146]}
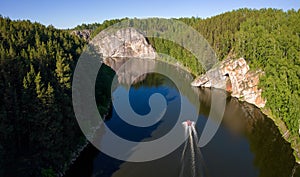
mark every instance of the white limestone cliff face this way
{"type": "Point", "coordinates": [234, 76]}
{"type": "Point", "coordinates": [126, 42]}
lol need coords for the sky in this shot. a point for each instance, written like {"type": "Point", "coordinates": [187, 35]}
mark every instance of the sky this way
{"type": "Point", "coordinates": [68, 14]}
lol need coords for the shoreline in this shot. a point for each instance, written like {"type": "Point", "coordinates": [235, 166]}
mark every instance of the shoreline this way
{"type": "Point", "coordinates": [292, 140]}
{"type": "Point", "coordinates": [282, 129]}
{"type": "Point", "coordinates": [76, 154]}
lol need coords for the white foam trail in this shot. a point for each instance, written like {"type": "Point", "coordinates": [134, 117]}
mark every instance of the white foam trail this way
{"type": "Point", "coordinates": [185, 130]}
{"type": "Point", "coordinates": [194, 133]}
{"type": "Point", "coordinates": [186, 142]}
{"type": "Point", "coordinates": [198, 152]}
{"type": "Point", "coordinates": [184, 150]}
{"type": "Point", "coordinates": [192, 153]}
{"type": "Point", "coordinates": [192, 165]}
{"type": "Point", "coordinates": [182, 160]}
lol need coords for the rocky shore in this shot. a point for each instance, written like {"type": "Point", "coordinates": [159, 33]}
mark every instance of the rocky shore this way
{"type": "Point", "coordinates": [234, 76]}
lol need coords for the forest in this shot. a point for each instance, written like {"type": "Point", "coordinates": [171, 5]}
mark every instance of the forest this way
{"type": "Point", "coordinates": [38, 130]}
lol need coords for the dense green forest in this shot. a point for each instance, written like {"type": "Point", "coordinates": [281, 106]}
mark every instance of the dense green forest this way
{"type": "Point", "coordinates": [38, 130]}
{"type": "Point", "coordinates": [272, 43]}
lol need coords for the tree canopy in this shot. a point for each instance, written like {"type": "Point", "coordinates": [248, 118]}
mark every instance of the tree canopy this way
{"type": "Point", "coordinates": [35, 106]}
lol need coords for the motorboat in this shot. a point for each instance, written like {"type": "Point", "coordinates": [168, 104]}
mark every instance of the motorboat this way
{"type": "Point", "coordinates": [188, 123]}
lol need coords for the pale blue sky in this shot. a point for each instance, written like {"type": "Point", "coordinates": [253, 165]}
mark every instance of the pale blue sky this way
{"type": "Point", "coordinates": [68, 14]}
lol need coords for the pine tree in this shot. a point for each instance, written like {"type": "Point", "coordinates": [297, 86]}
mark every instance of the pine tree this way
{"type": "Point", "coordinates": [63, 72]}
{"type": "Point", "coordinates": [39, 86]}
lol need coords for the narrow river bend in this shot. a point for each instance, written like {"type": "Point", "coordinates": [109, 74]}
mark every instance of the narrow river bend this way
{"type": "Point", "coordinates": [247, 143]}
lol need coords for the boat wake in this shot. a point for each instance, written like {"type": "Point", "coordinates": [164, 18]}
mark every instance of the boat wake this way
{"type": "Point", "coordinates": [192, 162]}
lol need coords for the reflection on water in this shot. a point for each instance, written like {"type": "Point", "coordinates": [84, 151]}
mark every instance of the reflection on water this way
{"type": "Point", "coordinates": [247, 144]}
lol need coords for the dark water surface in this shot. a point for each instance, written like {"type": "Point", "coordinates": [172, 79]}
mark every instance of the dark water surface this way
{"type": "Point", "coordinates": [247, 144]}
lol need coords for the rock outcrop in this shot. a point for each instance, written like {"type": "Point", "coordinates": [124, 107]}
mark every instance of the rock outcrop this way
{"type": "Point", "coordinates": [234, 76]}
{"type": "Point", "coordinates": [127, 42]}
{"type": "Point", "coordinates": [84, 34]}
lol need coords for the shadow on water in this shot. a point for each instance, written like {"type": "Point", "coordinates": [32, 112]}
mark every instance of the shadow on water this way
{"type": "Point", "coordinates": [247, 144]}
{"type": "Point", "coordinates": [269, 154]}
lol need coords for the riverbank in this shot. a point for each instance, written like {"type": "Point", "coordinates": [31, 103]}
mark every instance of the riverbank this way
{"type": "Point", "coordinates": [73, 158]}
{"type": "Point", "coordinates": [85, 145]}
{"type": "Point", "coordinates": [244, 84]}
{"type": "Point", "coordinates": [293, 140]}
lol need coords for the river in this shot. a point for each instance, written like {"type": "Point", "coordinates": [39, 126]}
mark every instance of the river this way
{"type": "Point", "coordinates": [246, 144]}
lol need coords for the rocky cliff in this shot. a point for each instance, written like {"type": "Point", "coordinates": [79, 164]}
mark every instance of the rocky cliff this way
{"type": "Point", "coordinates": [126, 42]}
{"type": "Point", "coordinates": [84, 34]}
{"type": "Point", "coordinates": [234, 76]}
